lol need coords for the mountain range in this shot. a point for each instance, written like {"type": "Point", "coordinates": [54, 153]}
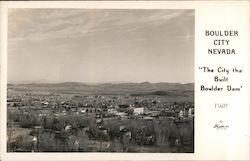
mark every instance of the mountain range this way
{"type": "Point", "coordinates": [144, 88]}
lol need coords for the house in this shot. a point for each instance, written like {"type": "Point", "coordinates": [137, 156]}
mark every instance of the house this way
{"type": "Point", "coordinates": [181, 114]}
{"type": "Point", "coordinates": [111, 111]}
{"type": "Point", "coordinates": [120, 114]}
{"type": "Point", "coordinates": [189, 111]}
{"type": "Point", "coordinates": [128, 135]}
{"type": "Point", "coordinates": [171, 113]}
{"type": "Point", "coordinates": [83, 111]}
{"type": "Point", "coordinates": [45, 104]}
{"type": "Point", "coordinates": [138, 111]}
{"type": "Point", "coordinates": [148, 118]}
{"type": "Point", "coordinates": [68, 127]}
{"type": "Point", "coordinates": [98, 121]}
{"type": "Point", "coordinates": [153, 113]}
{"type": "Point", "coordinates": [122, 128]}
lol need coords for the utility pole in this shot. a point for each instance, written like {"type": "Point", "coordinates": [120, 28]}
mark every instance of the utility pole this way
{"type": "Point", "coordinates": [38, 128]}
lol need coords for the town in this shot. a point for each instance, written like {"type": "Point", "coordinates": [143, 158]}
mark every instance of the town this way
{"type": "Point", "coordinates": [59, 122]}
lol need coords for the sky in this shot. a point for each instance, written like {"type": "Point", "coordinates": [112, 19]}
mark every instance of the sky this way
{"type": "Point", "coordinates": [101, 45]}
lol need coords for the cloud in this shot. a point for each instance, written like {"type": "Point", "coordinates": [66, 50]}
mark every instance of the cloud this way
{"type": "Point", "coordinates": [100, 41]}
{"type": "Point", "coordinates": [37, 24]}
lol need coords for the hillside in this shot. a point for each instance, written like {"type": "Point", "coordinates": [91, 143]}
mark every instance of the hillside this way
{"type": "Point", "coordinates": [144, 88]}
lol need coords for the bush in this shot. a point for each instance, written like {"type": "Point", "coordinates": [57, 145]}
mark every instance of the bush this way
{"type": "Point", "coordinates": [28, 121]}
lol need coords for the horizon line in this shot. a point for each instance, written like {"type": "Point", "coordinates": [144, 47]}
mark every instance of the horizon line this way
{"type": "Point", "coordinates": [111, 82]}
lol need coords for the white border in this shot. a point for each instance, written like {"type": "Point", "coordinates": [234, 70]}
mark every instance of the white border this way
{"type": "Point", "coordinates": [201, 151]}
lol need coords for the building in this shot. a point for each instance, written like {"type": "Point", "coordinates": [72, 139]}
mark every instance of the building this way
{"type": "Point", "coordinates": [138, 111]}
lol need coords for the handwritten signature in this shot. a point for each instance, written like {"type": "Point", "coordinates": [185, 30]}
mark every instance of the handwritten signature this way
{"type": "Point", "coordinates": [221, 126]}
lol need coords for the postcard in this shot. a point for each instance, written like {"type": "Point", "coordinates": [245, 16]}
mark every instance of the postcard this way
{"type": "Point", "coordinates": [125, 80]}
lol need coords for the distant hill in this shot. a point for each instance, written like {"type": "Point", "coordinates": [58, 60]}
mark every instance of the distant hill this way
{"type": "Point", "coordinates": [145, 88]}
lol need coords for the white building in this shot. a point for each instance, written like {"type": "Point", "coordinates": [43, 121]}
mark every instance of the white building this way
{"type": "Point", "coordinates": [138, 111]}
{"type": "Point", "coordinates": [111, 111]}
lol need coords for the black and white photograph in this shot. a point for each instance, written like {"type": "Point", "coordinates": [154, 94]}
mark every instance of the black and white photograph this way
{"type": "Point", "coordinates": [100, 80]}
